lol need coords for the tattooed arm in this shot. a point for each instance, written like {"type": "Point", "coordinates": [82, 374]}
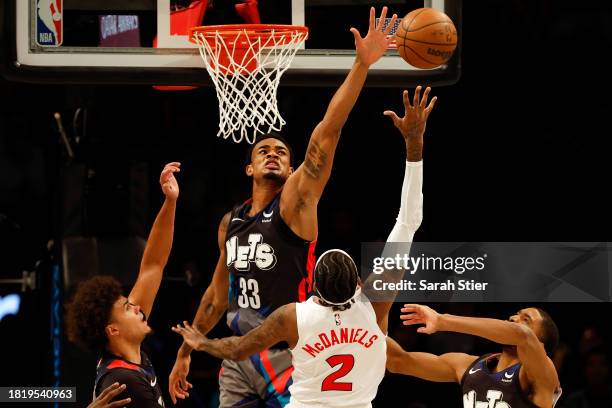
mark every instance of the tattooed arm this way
{"type": "Point", "coordinates": [281, 325]}
{"type": "Point", "coordinates": [212, 306]}
{"type": "Point", "coordinates": [303, 189]}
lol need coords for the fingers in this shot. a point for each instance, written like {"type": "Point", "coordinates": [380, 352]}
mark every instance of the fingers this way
{"type": "Point", "coordinates": [409, 307]}
{"type": "Point", "coordinates": [119, 403]}
{"type": "Point", "coordinates": [178, 386]}
{"type": "Point", "coordinates": [423, 102]}
{"type": "Point", "coordinates": [372, 26]}
{"type": "Point", "coordinates": [168, 170]}
{"type": "Point", "coordinates": [381, 20]}
{"type": "Point", "coordinates": [178, 392]}
{"type": "Point", "coordinates": [390, 26]}
{"type": "Point", "coordinates": [111, 391]}
{"type": "Point", "coordinates": [184, 386]}
{"type": "Point", "coordinates": [431, 105]}
{"type": "Point", "coordinates": [356, 35]}
{"type": "Point", "coordinates": [407, 106]}
{"type": "Point", "coordinates": [412, 319]}
{"type": "Point", "coordinates": [410, 316]}
{"type": "Point", "coordinates": [172, 394]}
{"type": "Point", "coordinates": [396, 120]}
{"type": "Point", "coordinates": [417, 96]}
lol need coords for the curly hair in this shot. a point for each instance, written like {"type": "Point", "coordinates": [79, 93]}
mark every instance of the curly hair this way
{"type": "Point", "coordinates": [90, 310]}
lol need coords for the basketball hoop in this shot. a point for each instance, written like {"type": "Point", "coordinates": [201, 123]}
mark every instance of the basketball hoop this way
{"type": "Point", "coordinates": [245, 63]}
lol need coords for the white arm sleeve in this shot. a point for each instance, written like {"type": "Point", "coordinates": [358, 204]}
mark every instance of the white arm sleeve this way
{"type": "Point", "coordinates": [411, 209]}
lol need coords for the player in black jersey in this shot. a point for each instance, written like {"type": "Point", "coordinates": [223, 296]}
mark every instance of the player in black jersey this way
{"type": "Point", "coordinates": [101, 319]}
{"type": "Point", "coordinates": [267, 243]}
{"type": "Point", "coordinates": [522, 375]}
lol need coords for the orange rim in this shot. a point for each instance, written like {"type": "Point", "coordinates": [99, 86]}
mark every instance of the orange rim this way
{"type": "Point", "coordinates": [229, 31]}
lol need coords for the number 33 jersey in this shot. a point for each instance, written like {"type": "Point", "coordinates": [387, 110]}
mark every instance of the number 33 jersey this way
{"type": "Point", "coordinates": [339, 359]}
{"type": "Point", "coordinates": [269, 265]}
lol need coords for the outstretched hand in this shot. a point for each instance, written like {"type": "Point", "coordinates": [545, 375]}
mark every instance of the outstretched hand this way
{"type": "Point", "coordinates": [375, 43]}
{"type": "Point", "coordinates": [178, 386]}
{"type": "Point", "coordinates": [191, 335]}
{"type": "Point", "coordinates": [412, 124]}
{"type": "Point", "coordinates": [105, 399]}
{"type": "Point", "coordinates": [168, 182]}
{"type": "Point", "coordinates": [419, 314]}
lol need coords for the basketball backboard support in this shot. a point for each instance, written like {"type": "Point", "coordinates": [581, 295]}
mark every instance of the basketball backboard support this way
{"type": "Point", "coordinates": [145, 41]}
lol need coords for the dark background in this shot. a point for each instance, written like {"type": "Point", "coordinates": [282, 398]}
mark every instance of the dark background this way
{"type": "Point", "coordinates": [515, 151]}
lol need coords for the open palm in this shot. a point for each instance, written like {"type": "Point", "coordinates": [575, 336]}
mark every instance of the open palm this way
{"type": "Point", "coordinates": [375, 43]}
{"type": "Point", "coordinates": [192, 336]}
{"type": "Point", "coordinates": [419, 314]}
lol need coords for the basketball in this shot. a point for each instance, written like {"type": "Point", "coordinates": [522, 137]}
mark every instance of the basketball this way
{"type": "Point", "coordinates": [426, 38]}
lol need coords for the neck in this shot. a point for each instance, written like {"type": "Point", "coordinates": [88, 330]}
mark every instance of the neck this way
{"type": "Point", "coordinates": [264, 191]}
{"type": "Point", "coordinates": [129, 352]}
{"type": "Point", "coordinates": [507, 358]}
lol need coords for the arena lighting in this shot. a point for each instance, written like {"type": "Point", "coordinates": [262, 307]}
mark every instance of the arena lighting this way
{"type": "Point", "coordinates": [9, 305]}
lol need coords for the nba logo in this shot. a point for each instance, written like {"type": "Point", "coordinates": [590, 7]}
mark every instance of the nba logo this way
{"type": "Point", "coordinates": [49, 24]}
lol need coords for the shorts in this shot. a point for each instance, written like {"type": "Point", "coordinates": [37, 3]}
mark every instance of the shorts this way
{"type": "Point", "coordinates": [261, 380]}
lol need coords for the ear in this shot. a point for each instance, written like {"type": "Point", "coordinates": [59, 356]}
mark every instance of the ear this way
{"type": "Point", "coordinates": [290, 170]}
{"type": "Point", "coordinates": [111, 330]}
{"type": "Point", "coordinates": [249, 170]}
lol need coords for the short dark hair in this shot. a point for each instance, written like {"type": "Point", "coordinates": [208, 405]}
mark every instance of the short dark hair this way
{"type": "Point", "coordinates": [335, 278]}
{"type": "Point", "coordinates": [90, 310]}
{"type": "Point", "coordinates": [549, 332]}
{"type": "Point", "coordinates": [271, 135]}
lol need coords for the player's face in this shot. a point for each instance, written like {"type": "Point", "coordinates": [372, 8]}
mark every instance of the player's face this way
{"type": "Point", "coordinates": [270, 160]}
{"type": "Point", "coordinates": [128, 321]}
{"type": "Point", "coordinates": [529, 317]}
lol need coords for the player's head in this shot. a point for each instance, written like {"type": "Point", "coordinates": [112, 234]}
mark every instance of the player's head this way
{"type": "Point", "coordinates": [269, 158]}
{"type": "Point", "coordinates": [100, 315]}
{"type": "Point", "coordinates": [542, 325]}
{"type": "Point", "coordinates": [336, 279]}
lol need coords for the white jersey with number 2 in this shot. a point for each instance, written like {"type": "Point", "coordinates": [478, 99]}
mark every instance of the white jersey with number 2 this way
{"type": "Point", "coordinates": [339, 359]}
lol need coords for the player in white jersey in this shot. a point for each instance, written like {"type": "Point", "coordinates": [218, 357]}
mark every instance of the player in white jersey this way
{"type": "Point", "coordinates": [338, 337]}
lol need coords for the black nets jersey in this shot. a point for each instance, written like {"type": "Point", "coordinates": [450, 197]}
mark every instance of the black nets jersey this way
{"type": "Point", "coordinates": [269, 265]}
{"type": "Point", "coordinates": [482, 388]}
{"type": "Point", "coordinates": [140, 380]}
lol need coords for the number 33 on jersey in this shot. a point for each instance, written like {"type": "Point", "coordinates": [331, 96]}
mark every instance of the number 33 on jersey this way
{"type": "Point", "coordinates": [269, 265]}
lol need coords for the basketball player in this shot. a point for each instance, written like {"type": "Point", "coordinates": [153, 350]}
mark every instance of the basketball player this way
{"type": "Point", "coordinates": [267, 244]}
{"type": "Point", "coordinates": [336, 338]}
{"type": "Point", "coordinates": [101, 319]}
{"type": "Point", "coordinates": [522, 375]}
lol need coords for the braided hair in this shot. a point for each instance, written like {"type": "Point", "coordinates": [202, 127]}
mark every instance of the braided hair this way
{"type": "Point", "coordinates": [335, 278]}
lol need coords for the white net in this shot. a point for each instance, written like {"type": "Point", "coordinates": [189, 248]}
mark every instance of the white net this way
{"type": "Point", "coordinates": [246, 68]}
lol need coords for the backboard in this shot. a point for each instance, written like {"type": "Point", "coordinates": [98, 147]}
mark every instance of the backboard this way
{"type": "Point", "coordinates": [145, 41]}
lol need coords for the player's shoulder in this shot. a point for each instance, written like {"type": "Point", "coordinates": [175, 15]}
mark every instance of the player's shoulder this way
{"type": "Point", "coordinates": [123, 375]}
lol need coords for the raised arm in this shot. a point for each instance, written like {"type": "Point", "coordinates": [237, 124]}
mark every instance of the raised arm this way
{"type": "Point", "coordinates": [539, 368]}
{"type": "Point", "coordinates": [210, 310]}
{"type": "Point", "coordinates": [159, 244]}
{"type": "Point", "coordinates": [304, 188]}
{"type": "Point", "coordinates": [448, 367]}
{"type": "Point", "coordinates": [280, 326]}
{"type": "Point", "coordinates": [412, 128]}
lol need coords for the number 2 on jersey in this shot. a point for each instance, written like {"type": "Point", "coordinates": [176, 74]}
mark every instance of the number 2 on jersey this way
{"type": "Point", "coordinates": [346, 363]}
{"type": "Point", "coordinates": [245, 300]}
